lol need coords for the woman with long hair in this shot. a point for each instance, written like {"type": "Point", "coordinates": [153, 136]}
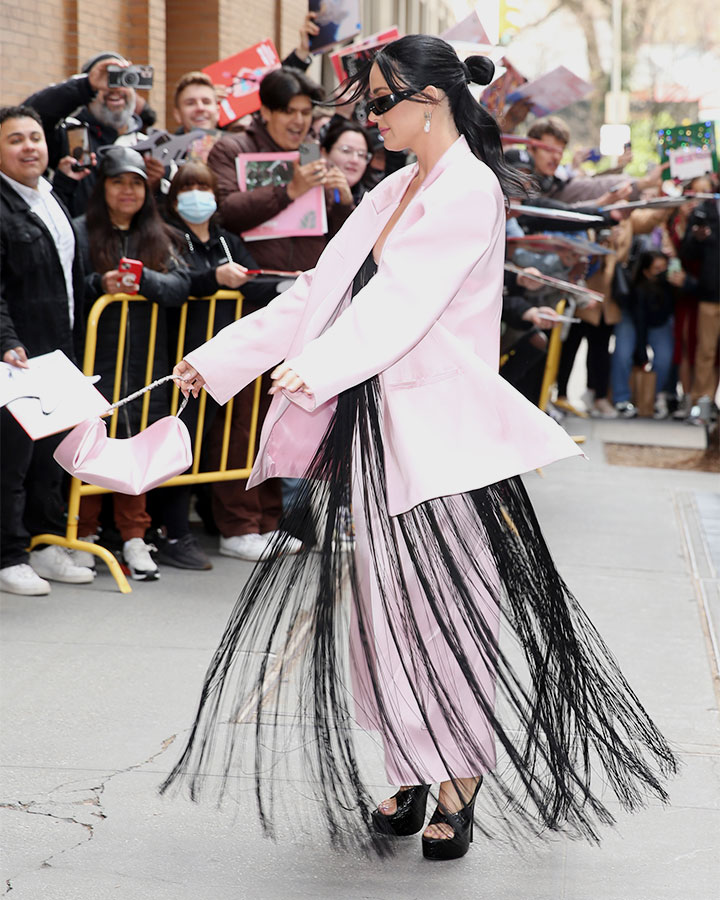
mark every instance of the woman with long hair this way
{"type": "Point", "coordinates": [121, 221]}
{"type": "Point", "coordinates": [346, 147]}
{"type": "Point", "coordinates": [387, 398]}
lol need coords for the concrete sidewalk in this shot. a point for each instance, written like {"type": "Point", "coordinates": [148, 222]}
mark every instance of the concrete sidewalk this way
{"type": "Point", "coordinates": [98, 690]}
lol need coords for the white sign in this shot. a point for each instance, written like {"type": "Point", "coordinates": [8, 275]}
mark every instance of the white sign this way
{"type": "Point", "coordinates": [689, 162]}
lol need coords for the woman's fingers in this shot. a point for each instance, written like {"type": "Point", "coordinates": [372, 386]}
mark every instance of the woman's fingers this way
{"type": "Point", "coordinates": [285, 378]}
{"type": "Point", "coordinates": [187, 378]}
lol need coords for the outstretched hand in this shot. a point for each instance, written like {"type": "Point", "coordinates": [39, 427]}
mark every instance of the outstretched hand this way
{"type": "Point", "coordinates": [187, 378]}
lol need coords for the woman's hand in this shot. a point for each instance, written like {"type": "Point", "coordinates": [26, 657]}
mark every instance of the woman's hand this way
{"type": "Point", "coordinates": [112, 282]}
{"type": "Point", "coordinates": [187, 378]}
{"type": "Point", "coordinates": [527, 281]}
{"type": "Point", "coordinates": [335, 180]}
{"type": "Point", "coordinates": [306, 177]}
{"type": "Point", "coordinates": [285, 378]}
{"type": "Point", "coordinates": [540, 316]}
{"type": "Point", "coordinates": [232, 275]}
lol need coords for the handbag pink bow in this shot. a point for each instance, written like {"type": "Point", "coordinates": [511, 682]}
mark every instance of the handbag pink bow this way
{"type": "Point", "coordinates": [131, 465]}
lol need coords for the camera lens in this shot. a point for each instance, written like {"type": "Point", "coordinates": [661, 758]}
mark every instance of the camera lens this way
{"type": "Point", "coordinates": [130, 79]}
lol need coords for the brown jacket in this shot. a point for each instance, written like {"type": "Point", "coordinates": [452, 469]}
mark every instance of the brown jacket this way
{"type": "Point", "coordinates": [641, 221]}
{"type": "Point", "coordinates": [242, 210]}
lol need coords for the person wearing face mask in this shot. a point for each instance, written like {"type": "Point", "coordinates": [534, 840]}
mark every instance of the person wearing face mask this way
{"type": "Point", "coordinates": [346, 147]}
{"type": "Point", "coordinates": [217, 260]}
{"type": "Point", "coordinates": [122, 221]}
{"type": "Point", "coordinates": [106, 112]}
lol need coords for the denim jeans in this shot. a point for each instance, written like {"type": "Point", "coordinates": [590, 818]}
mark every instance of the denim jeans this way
{"type": "Point", "coordinates": [661, 340]}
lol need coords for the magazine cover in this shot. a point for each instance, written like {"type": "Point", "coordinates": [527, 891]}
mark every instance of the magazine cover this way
{"type": "Point", "coordinates": [346, 61]}
{"type": "Point", "coordinates": [304, 217]}
{"type": "Point", "coordinates": [241, 74]}
{"type": "Point", "coordinates": [494, 97]}
{"type": "Point", "coordinates": [337, 20]}
{"type": "Point", "coordinates": [552, 91]}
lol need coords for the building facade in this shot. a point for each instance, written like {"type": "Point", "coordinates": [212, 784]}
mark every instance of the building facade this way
{"type": "Point", "coordinates": [45, 41]}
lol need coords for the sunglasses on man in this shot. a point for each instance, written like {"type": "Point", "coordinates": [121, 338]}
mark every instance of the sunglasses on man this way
{"type": "Point", "coordinates": [380, 105]}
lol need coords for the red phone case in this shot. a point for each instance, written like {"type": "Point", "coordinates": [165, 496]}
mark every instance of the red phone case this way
{"type": "Point", "coordinates": [130, 274]}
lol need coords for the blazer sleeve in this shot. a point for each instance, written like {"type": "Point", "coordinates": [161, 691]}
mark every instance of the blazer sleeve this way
{"type": "Point", "coordinates": [252, 345]}
{"type": "Point", "coordinates": [400, 304]}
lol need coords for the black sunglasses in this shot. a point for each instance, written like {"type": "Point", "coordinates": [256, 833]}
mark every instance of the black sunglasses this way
{"type": "Point", "coordinates": [380, 105]}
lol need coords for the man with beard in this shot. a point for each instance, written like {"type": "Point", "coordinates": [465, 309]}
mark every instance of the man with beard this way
{"type": "Point", "coordinates": [106, 112]}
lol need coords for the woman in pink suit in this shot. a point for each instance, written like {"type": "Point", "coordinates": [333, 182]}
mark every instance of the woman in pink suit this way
{"type": "Point", "coordinates": [388, 401]}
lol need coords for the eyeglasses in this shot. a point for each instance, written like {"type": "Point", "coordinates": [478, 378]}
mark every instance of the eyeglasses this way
{"type": "Point", "coordinates": [380, 105]}
{"type": "Point", "coordinates": [351, 151]}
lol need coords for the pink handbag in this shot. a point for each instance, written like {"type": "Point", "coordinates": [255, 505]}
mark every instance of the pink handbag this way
{"type": "Point", "coordinates": [131, 465]}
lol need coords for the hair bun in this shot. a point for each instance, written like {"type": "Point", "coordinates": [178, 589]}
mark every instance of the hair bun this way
{"type": "Point", "coordinates": [481, 69]}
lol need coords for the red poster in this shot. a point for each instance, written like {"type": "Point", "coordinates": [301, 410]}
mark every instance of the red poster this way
{"type": "Point", "coordinates": [241, 74]}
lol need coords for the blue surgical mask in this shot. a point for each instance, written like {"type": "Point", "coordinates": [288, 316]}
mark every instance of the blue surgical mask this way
{"type": "Point", "coordinates": [196, 206]}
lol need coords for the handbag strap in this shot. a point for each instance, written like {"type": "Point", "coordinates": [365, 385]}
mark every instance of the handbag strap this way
{"type": "Point", "coordinates": [148, 387]}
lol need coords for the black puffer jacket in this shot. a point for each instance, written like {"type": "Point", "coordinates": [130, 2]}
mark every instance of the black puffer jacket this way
{"type": "Point", "coordinates": [167, 289]}
{"type": "Point", "coordinates": [34, 310]}
{"type": "Point", "coordinates": [202, 260]}
{"type": "Point", "coordinates": [706, 252]}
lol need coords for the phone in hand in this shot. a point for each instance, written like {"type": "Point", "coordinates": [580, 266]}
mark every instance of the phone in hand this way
{"type": "Point", "coordinates": [309, 152]}
{"type": "Point", "coordinates": [130, 274]}
{"type": "Point", "coordinates": [674, 265]}
{"type": "Point", "coordinates": [79, 148]}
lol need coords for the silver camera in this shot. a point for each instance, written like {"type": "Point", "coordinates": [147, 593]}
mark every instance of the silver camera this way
{"type": "Point", "coordinates": [138, 77]}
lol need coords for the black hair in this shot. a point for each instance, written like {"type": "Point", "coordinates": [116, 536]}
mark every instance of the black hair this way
{"type": "Point", "coordinates": [337, 127]}
{"type": "Point", "coordinates": [279, 87]}
{"type": "Point", "coordinates": [418, 61]}
{"type": "Point", "coordinates": [19, 112]}
{"type": "Point", "coordinates": [644, 261]}
{"type": "Point", "coordinates": [155, 240]}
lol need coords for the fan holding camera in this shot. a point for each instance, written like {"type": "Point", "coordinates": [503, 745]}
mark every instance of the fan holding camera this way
{"type": "Point", "coordinates": [89, 111]}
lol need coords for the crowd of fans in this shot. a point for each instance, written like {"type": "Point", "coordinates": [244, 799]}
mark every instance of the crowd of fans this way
{"type": "Point", "coordinates": [65, 230]}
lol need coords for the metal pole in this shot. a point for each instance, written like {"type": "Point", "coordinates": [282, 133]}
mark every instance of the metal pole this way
{"type": "Point", "coordinates": [616, 73]}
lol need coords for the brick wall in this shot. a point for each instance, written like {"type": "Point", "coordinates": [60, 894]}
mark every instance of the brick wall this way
{"type": "Point", "coordinates": [43, 41]}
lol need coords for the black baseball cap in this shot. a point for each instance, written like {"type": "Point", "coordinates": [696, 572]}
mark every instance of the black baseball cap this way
{"type": "Point", "coordinates": [117, 160]}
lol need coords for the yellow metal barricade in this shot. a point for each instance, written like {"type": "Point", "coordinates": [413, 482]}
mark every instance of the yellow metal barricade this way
{"type": "Point", "coordinates": [552, 365]}
{"type": "Point", "coordinates": [78, 489]}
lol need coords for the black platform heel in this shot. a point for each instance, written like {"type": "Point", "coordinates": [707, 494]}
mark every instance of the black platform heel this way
{"type": "Point", "coordinates": [409, 817]}
{"type": "Point", "coordinates": [461, 823]}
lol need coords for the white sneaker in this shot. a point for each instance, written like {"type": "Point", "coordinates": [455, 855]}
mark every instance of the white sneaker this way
{"type": "Point", "coordinates": [245, 546]}
{"type": "Point", "coordinates": [602, 408]}
{"type": "Point", "coordinates": [136, 554]}
{"type": "Point", "coordinates": [23, 579]}
{"type": "Point", "coordinates": [661, 407]}
{"type": "Point", "coordinates": [289, 545]}
{"type": "Point", "coordinates": [56, 564]}
{"type": "Point", "coordinates": [82, 557]}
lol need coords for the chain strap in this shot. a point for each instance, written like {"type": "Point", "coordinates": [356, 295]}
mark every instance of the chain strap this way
{"type": "Point", "coordinates": [144, 390]}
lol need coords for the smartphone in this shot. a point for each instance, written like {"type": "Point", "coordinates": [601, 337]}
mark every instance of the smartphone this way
{"type": "Point", "coordinates": [594, 155]}
{"type": "Point", "coordinates": [130, 274]}
{"type": "Point", "coordinates": [79, 148]}
{"type": "Point", "coordinates": [674, 265]}
{"type": "Point", "coordinates": [309, 153]}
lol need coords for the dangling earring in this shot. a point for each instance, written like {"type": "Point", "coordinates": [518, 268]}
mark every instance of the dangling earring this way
{"type": "Point", "coordinates": [428, 116]}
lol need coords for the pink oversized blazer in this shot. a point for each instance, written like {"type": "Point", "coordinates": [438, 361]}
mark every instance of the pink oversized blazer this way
{"type": "Point", "coordinates": [428, 324]}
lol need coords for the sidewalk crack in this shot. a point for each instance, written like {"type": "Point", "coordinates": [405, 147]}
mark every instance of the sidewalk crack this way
{"type": "Point", "coordinates": [86, 810]}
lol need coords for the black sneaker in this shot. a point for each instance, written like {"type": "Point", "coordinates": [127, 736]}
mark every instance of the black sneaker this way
{"type": "Point", "coordinates": [184, 553]}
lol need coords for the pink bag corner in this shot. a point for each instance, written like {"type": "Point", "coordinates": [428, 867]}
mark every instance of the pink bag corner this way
{"type": "Point", "coordinates": [131, 465]}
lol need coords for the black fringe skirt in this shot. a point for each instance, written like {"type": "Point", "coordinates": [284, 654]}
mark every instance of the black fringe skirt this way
{"type": "Point", "coordinates": [400, 633]}
{"type": "Point", "coordinates": [447, 629]}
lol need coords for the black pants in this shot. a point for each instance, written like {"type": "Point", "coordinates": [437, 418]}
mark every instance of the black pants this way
{"type": "Point", "coordinates": [598, 357]}
{"type": "Point", "coordinates": [32, 500]}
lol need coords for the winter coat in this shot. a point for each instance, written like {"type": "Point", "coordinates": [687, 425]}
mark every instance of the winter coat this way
{"type": "Point", "coordinates": [34, 310]}
{"type": "Point", "coordinates": [243, 210]}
